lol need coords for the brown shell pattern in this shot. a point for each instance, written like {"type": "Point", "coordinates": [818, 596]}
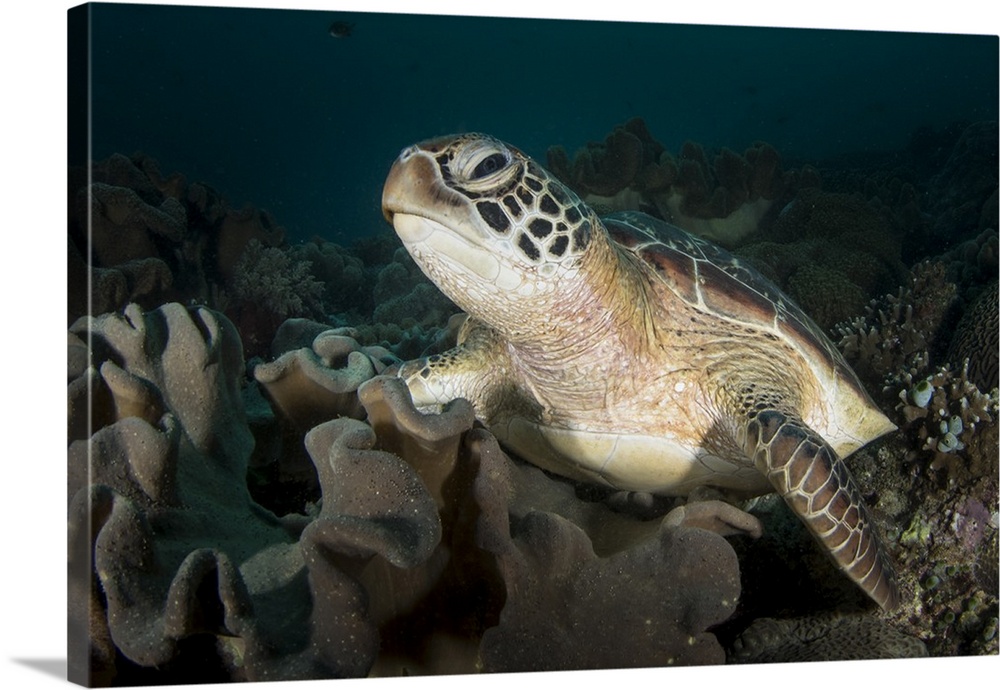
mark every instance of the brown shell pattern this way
{"type": "Point", "coordinates": [708, 277]}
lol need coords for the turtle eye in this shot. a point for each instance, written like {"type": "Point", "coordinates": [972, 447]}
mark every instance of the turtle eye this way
{"type": "Point", "coordinates": [489, 165]}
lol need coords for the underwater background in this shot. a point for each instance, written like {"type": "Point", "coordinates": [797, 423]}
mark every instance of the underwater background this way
{"type": "Point", "coordinates": [238, 304]}
{"type": "Point", "coordinates": [271, 109]}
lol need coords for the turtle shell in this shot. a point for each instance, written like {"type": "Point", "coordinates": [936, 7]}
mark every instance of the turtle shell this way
{"type": "Point", "coordinates": [711, 279]}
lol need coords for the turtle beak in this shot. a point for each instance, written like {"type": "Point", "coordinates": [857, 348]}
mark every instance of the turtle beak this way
{"type": "Point", "coordinates": [409, 178]}
{"type": "Point", "coordinates": [414, 187]}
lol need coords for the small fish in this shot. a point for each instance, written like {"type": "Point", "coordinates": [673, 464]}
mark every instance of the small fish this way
{"type": "Point", "coordinates": [341, 29]}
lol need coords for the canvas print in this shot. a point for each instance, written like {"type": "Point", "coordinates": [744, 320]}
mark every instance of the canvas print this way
{"type": "Point", "coordinates": [421, 345]}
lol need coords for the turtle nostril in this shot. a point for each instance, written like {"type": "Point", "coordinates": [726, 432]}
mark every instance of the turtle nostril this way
{"type": "Point", "coordinates": [407, 152]}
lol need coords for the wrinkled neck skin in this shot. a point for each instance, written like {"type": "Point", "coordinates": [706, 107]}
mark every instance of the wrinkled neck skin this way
{"type": "Point", "coordinates": [570, 340]}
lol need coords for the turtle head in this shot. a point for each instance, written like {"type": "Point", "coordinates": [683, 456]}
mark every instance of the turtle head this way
{"type": "Point", "coordinates": [484, 222]}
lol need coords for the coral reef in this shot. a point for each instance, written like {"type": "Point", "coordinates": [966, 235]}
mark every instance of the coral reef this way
{"type": "Point", "coordinates": [314, 377]}
{"type": "Point", "coordinates": [826, 637]}
{"type": "Point", "coordinates": [267, 276]}
{"type": "Point", "coordinates": [942, 412]}
{"type": "Point", "coordinates": [972, 264]}
{"type": "Point", "coordinates": [945, 539]}
{"type": "Point", "coordinates": [937, 479]}
{"type": "Point", "coordinates": [344, 276]}
{"type": "Point", "coordinates": [939, 190]}
{"type": "Point", "coordinates": [156, 240]}
{"type": "Point", "coordinates": [830, 252]}
{"type": "Point", "coordinates": [153, 240]}
{"type": "Point", "coordinates": [900, 332]}
{"type": "Point", "coordinates": [826, 294]}
{"type": "Point", "coordinates": [404, 295]}
{"type": "Point", "coordinates": [305, 521]}
{"type": "Point", "coordinates": [932, 488]}
{"type": "Point", "coordinates": [965, 188]}
{"type": "Point", "coordinates": [977, 339]}
{"type": "Point", "coordinates": [267, 287]}
{"type": "Point", "coordinates": [663, 595]}
{"type": "Point", "coordinates": [427, 549]}
{"type": "Point", "coordinates": [722, 199]}
{"type": "Point", "coordinates": [168, 552]}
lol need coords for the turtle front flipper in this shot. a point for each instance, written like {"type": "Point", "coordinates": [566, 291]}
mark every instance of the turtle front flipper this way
{"type": "Point", "coordinates": [475, 369]}
{"type": "Point", "coordinates": [817, 486]}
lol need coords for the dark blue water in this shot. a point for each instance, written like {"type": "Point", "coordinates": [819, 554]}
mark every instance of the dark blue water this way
{"type": "Point", "coordinates": [270, 109]}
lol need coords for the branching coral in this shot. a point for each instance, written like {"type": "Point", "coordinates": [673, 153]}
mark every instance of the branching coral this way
{"type": "Point", "coordinates": [938, 477]}
{"type": "Point", "coordinates": [942, 412]}
{"type": "Point", "coordinates": [892, 347]}
{"type": "Point", "coordinates": [270, 278]}
{"type": "Point", "coordinates": [899, 333]}
{"type": "Point", "coordinates": [267, 287]}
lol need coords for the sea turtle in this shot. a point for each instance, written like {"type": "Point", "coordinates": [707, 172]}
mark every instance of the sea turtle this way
{"type": "Point", "coordinates": [626, 352]}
